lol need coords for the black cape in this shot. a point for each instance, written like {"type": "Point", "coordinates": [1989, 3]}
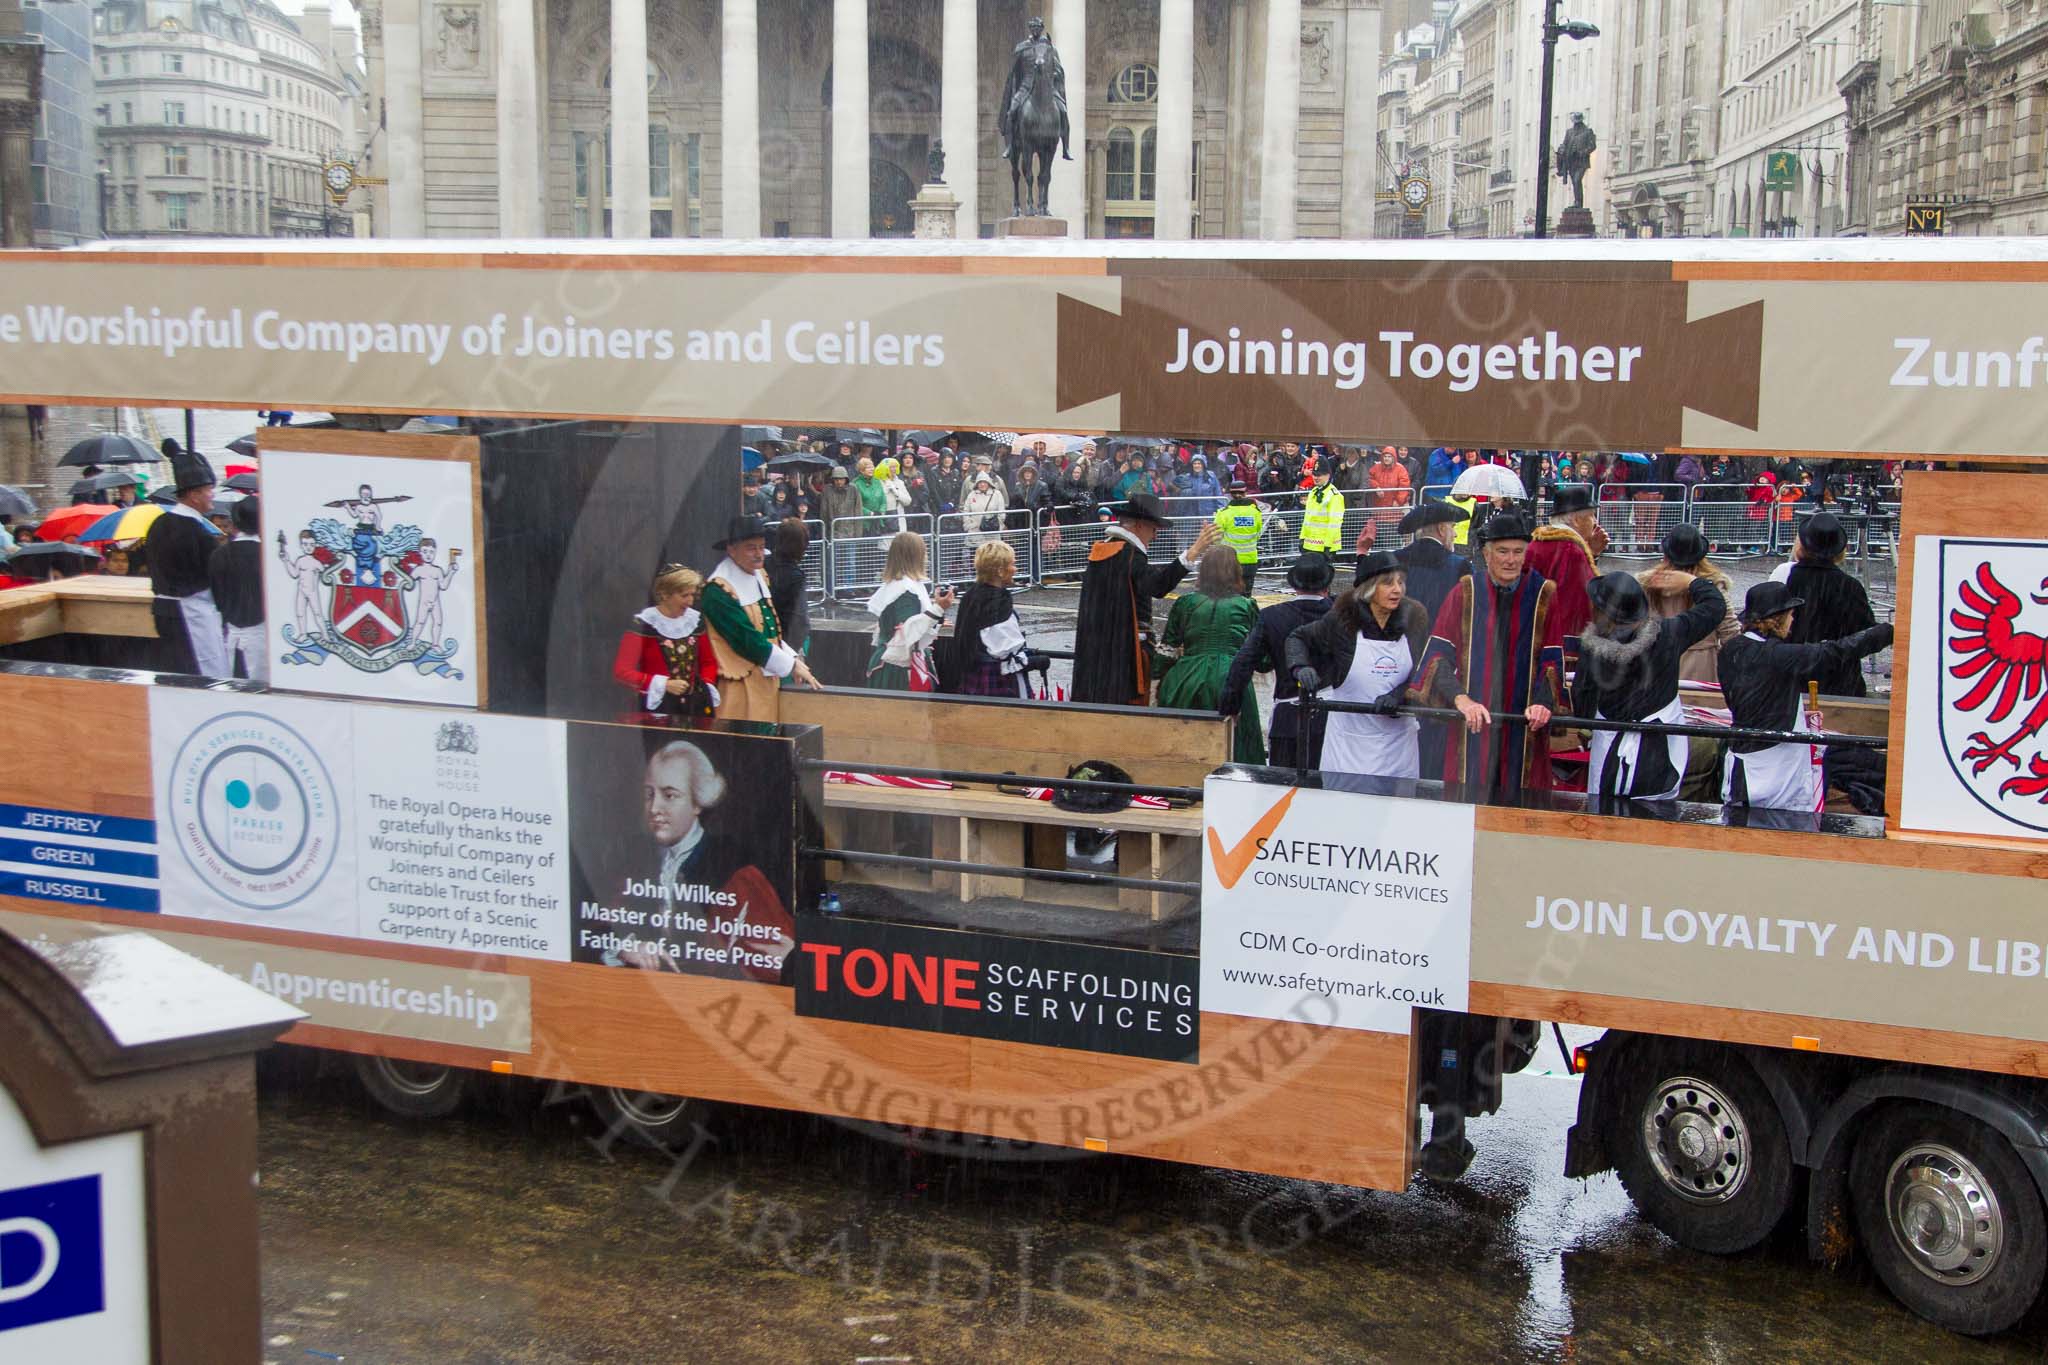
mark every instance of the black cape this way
{"type": "Point", "coordinates": [236, 573]}
{"type": "Point", "coordinates": [1622, 682]}
{"type": "Point", "coordinates": [1113, 628]}
{"type": "Point", "coordinates": [1265, 651]}
{"type": "Point", "coordinates": [1762, 678]}
{"type": "Point", "coordinates": [180, 555]}
{"type": "Point", "coordinates": [1836, 607]}
{"type": "Point", "coordinates": [1432, 571]}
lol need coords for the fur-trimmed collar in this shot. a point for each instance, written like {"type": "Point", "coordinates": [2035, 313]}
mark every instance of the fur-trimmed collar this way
{"type": "Point", "coordinates": [1555, 532]}
{"type": "Point", "coordinates": [1613, 653]}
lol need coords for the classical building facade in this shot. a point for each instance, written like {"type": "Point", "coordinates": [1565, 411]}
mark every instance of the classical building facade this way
{"type": "Point", "coordinates": [208, 113]}
{"type": "Point", "coordinates": [1667, 62]}
{"type": "Point", "coordinates": [1204, 118]}
{"type": "Point", "coordinates": [1783, 149]}
{"type": "Point", "coordinates": [1948, 103]}
{"type": "Point", "coordinates": [63, 177]}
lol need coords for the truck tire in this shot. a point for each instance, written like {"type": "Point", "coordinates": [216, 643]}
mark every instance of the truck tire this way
{"type": "Point", "coordinates": [1700, 1147]}
{"type": "Point", "coordinates": [1950, 1218]}
{"type": "Point", "coordinates": [663, 1122]}
{"type": "Point", "coordinates": [412, 1090]}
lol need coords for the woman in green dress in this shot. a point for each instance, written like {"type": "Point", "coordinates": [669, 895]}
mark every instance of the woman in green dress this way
{"type": "Point", "coordinates": [1206, 626]}
{"type": "Point", "coordinates": [907, 620]}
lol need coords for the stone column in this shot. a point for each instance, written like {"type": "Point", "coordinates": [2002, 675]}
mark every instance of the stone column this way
{"type": "Point", "coordinates": [630, 213]}
{"type": "Point", "coordinates": [1362, 119]}
{"type": "Point", "coordinates": [739, 147]}
{"type": "Point", "coordinates": [849, 118]}
{"type": "Point", "coordinates": [519, 189]}
{"type": "Point", "coordinates": [404, 123]}
{"type": "Point", "coordinates": [1281, 113]}
{"type": "Point", "coordinates": [2021, 146]}
{"type": "Point", "coordinates": [1174, 212]}
{"type": "Point", "coordinates": [1096, 159]}
{"type": "Point", "coordinates": [960, 113]}
{"type": "Point", "coordinates": [1068, 196]}
{"type": "Point", "coordinates": [17, 202]}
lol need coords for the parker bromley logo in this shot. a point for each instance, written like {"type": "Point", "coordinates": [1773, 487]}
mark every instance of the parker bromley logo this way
{"type": "Point", "coordinates": [367, 595]}
{"type": "Point", "coordinates": [253, 810]}
{"type": "Point", "coordinates": [1994, 674]}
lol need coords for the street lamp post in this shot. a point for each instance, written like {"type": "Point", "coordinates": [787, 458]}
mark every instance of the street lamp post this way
{"type": "Point", "coordinates": [1553, 29]}
{"type": "Point", "coordinates": [106, 199]}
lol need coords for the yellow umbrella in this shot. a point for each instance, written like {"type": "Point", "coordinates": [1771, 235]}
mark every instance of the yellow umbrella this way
{"type": "Point", "coordinates": [129, 523]}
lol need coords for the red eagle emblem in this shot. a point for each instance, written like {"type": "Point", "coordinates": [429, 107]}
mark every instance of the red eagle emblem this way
{"type": "Point", "coordinates": [2001, 667]}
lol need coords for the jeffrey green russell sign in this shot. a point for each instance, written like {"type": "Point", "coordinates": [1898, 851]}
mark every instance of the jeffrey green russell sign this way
{"type": "Point", "coordinates": [1363, 902]}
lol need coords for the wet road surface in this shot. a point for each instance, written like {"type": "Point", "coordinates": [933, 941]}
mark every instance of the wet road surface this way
{"type": "Point", "coordinates": [515, 1232]}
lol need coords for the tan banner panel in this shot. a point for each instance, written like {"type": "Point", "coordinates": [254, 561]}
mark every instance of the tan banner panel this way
{"type": "Point", "coordinates": [1831, 939]}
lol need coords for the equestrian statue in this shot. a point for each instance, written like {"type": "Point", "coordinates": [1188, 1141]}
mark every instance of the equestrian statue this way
{"type": "Point", "coordinates": [1033, 120]}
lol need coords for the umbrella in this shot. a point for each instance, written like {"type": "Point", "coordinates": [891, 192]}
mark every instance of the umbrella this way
{"type": "Point", "coordinates": [69, 521]}
{"type": "Point", "coordinates": [107, 482]}
{"type": "Point", "coordinates": [241, 483]}
{"type": "Point", "coordinates": [859, 436]}
{"type": "Point", "coordinates": [243, 445]}
{"type": "Point", "coordinates": [1142, 442]}
{"type": "Point", "coordinates": [109, 448]}
{"type": "Point", "coordinates": [165, 495]}
{"type": "Point", "coordinates": [798, 460]}
{"type": "Point", "coordinates": [123, 524]}
{"type": "Point", "coordinates": [81, 491]}
{"type": "Point", "coordinates": [233, 469]}
{"type": "Point", "coordinates": [1489, 481]}
{"type": "Point", "coordinates": [15, 503]}
{"type": "Point", "coordinates": [762, 436]}
{"type": "Point", "coordinates": [28, 561]}
{"type": "Point", "coordinates": [1633, 457]}
{"type": "Point", "coordinates": [750, 458]}
{"type": "Point", "coordinates": [985, 438]}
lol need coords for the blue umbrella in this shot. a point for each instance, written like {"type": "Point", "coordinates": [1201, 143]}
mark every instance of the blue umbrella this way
{"type": "Point", "coordinates": [1633, 457]}
{"type": "Point", "coordinates": [750, 458]}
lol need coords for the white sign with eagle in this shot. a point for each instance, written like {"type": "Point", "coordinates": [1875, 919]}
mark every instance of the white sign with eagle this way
{"type": "Point", "coordinates": [364, 587]}
{"type": "Point", "coordinates": [1977, 689]}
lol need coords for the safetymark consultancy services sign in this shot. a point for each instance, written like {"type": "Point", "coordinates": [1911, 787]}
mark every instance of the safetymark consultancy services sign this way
{"type": "Point", "coordinates": [1334, 906]}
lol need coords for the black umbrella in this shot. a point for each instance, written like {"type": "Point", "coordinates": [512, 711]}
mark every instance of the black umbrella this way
{"type": "Point", "coordinates": [241, 483]}
{"type": "Point", "coordinates": [978, 439]}
{"type": "Point", "coordinates": [762, 436]}
{"type": "Point", "coordinates": [15, 503]}
{"type": "Point", "coordinates": [1154, 443]}
{"type": "Point", "coordinates": [113, 478]}
{"type": "Point", "coordinates": [109, 448]}
{"type": "Point", "coordinates": [164, 496]}
{"type": "Point", "coordinates": [244, 446]}
{"type": "Point", "coordinates": [798, 460]}
{"type": "Point", "coordinates": [859, 436]}
{"type": "Point", "coordinates": [927, 438]}
{"type": "Point", "coordinates": [82, 491]}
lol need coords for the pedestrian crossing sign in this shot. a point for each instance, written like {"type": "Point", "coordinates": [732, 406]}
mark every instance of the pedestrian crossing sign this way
{"type": "Point", "coordinates": [1781, 171]}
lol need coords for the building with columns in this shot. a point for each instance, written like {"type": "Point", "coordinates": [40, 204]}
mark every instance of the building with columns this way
{"type": "Point", "coordinates": [1782, 145]}
{"type": "Point", "coordinates": [1667, 74]}
{"type": "Point", "coordinates": [1207, 118]}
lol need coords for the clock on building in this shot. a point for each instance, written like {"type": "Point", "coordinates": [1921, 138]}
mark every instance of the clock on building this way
{"type": "Point", "coordinates": [340, 178]}
{"type": "Point", "coordinates": [1415, 192]}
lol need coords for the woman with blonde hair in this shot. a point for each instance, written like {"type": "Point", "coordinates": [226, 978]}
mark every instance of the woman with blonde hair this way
{"type": "Point", "coordinates": [895, 493]}
{"type": "Point", "coordinates": [1206, 627]}
{"type": "Point", "coordinates": [663, 656]}
{"type": "Point", "coordinates": [907, 618]}
{"type": "Point", "coordinates": [990, 657]}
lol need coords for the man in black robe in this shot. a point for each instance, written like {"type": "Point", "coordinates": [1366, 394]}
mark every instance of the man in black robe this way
{"type": "Point", "coordinates": [179, 548]}
{"type": "Point", "coordinates": [1433, 570]}
{"type": "Point", "coordinates": [1836, 606]}
{"type": "Point", "coordinates": [1113, 629]}
{"type": "Point", "coordinates": [236, 574]}
{"type": "Point", "coordinates": [1265, 650]}
{"type": "Point", "coordinates": [1764, 671]}
{"type": "Point", "coordinates": [1628, 670]}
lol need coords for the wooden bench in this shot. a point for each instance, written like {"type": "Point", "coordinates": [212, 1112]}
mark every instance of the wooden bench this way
{"type": "Point", "coordinates": [980, 824]}
{"type": "Point", "coordinates": [94, 604]}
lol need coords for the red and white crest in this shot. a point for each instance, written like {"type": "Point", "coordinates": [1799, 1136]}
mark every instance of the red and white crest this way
{"type": "Point", "coordinates": [369, 618]}
{"type": "Point", "coordinates": [1992, 683]}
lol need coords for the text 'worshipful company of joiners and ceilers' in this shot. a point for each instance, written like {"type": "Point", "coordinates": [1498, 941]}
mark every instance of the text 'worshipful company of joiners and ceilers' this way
{"type": "Point", "coordinates": [801, 342]}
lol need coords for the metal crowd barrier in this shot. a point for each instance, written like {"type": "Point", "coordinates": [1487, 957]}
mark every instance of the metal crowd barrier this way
{"type": "Point", "coordinates": [858, 549]}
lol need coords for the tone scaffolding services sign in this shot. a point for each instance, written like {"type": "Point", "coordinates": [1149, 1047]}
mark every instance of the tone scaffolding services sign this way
{"type": "Point", "coordinates": [1977, 706]}
{"type": "Point", "coordinates": [1333, 906]}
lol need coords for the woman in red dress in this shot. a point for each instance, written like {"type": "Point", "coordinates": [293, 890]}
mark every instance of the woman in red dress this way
{"type": "Point", "coordinates": [663, 656]}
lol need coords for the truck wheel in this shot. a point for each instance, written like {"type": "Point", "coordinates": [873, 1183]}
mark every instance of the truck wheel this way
{"type": "Point", "coordinates": [661, 1121]}
{"type": "Point", "coordinates": [1701, 1149]}
{"type": "Point", "coordinates": [412, 1090]}
{"type": "Point", "coordinates": [1951, 1220]}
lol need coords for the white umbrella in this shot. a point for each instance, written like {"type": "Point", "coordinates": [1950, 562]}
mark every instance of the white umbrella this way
{"type": "Point", "coordinates": [1489, 481]}
{"type": "Point", "coordinates": [1055, 445]}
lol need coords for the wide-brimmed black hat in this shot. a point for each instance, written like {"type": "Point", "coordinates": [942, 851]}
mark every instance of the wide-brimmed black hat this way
{"type": "Point", "coordinates": [1571, 499]}
{"type": "Point", "coordinates": [1619, 600]}
{"type": "Point", "coordinates": [1433, 512]}
{"type": "Point", "coordinates": [1083, 801]}
{"type": "Point", "coordinates": [1766, 600]}
{"type": "Point", "coordinates": [189, 470]}
{"type": "Point", "coordinates": [742, 528]}
{"type": "Point", "coordinates": [1685, 545]}
{"type": "Point", "coordinates": [1310, 573]}
{"type": "Point", "coordinates": [1373, 565]}
{"type": "Point", "coordinates": [1143, 507]}
{"type": "Point", "coordinates": [1503, 526]}
{"type": "Point", "coordinates": [1823, 535]}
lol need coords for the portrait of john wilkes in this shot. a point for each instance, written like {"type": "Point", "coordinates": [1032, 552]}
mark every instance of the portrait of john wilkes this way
{"type": "Point", "coordinates": [698, 870]}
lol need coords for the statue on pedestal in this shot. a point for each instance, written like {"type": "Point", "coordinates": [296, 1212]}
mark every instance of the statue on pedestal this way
{"type": "Point", "coordinates": [1575, 158]}
{"type": "Point", "coordinates": [1033, 119]}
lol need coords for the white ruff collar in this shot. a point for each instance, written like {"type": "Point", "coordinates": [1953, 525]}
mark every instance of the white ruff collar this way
{"type": "Point", "coordinates": [894, 589]}
{"type": "Point", "coordinates": [746, 588]}
{"type": "Point", "coordinates": [669, 627]}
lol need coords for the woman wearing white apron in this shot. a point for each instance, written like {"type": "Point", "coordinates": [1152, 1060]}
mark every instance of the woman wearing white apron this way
{"type": "Point", "coordinates": [1365, 649]}
{"type": "Point", "coordinates": [1763, 676]}
{"type": "Point", "coordinates": [1628, 670]}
